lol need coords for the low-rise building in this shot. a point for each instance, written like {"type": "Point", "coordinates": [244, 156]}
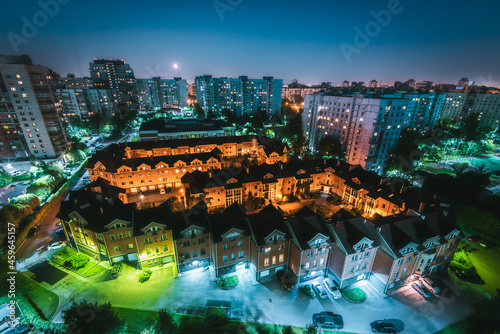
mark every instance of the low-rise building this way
{"type": "Point", "coordinates": [166, 128]}
{"type": "Point", "coordinates": [230, 240]}
{"type": "Point", "coordinates": [270, 242]}
{"type": "Point", "coordinates": [310, 246]}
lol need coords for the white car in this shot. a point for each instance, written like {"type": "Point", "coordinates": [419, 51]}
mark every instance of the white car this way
{"type": "Point", "coordinates": [319, 289]}
{"type": "Point", "coordinates": [56, 245]}
{"type": "Point", "coordinates": [421, 289]}
{"type": "Point", "coordinates": [332, 288]}
{"type": "Point", "coordinates": [429, 284]}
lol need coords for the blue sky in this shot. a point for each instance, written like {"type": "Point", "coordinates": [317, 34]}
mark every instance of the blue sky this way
{"type": "Point", "coordinates": [439, 41]}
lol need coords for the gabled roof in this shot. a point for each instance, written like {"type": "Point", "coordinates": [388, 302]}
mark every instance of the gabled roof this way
{"type": "Point", "coordinates": [305, 226]}
{"type": "Point", "coordinates": [113, 162]}
{"type": "Point", "coordinates": [351, 232]}
{"type": "Point", "coordinates": [265, 222]}
{"type": "Point", "coordinates": [232, 217]}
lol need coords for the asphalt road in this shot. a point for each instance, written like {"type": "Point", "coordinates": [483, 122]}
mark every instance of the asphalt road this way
{"type": "Point", "coordinates": [45, 236]}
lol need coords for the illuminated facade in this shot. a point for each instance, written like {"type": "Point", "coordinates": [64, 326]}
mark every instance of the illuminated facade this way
{"type": "Point", "coordinates": [161, 164]}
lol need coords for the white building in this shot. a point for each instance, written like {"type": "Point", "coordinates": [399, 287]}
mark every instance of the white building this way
{"type": "Point", "coordinates": [29, 110]}
{"type": "Point", "coordinates": [368, 127]}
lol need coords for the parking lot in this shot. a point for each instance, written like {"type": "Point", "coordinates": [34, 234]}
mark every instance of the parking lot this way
{"type": "Point", "coordinates": [269, 302]}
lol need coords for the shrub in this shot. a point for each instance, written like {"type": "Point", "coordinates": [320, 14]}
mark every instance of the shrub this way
{"type": "Point", "coordinates": [28, 199]}
{"type": "Point", "coordinates": [216, 317]}
{"type": "Point", "coordinates": [306, 289]}
{"type": "Point", "coordinates": [145, 275]}
{"type": "Point", "coordinates": [78, 261]}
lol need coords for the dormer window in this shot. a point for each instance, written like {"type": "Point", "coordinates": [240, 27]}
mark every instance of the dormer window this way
{"type": "Point", "coordinates": [118, 225]}
{"type": "Point", "coordinates": [153, 229]}
{"type": "Point", "coordinates": [233, 235]}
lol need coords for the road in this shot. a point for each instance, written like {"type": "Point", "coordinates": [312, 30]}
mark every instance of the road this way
{"type": "Point", "coordinates": [47, 232]}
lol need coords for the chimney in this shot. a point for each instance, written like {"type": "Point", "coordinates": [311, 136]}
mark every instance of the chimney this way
{"type": "Point", "coordinates": [102, 211]}
{"type": "Point", "coordinates": [209, 173]}
{"type": "Point", "coordinates": [421, 207]}
{"type": "Point", "coordinates": [248, 169]}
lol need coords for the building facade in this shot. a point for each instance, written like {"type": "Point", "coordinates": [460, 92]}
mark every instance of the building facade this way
{"type": "Point", "coordinates": [118, 77]}
{"type": "Point", "coordinates": [239, 96]}
{"type": "Point", "coordinates": [164, 128]}
{"type": "Point", "coordinates": [30, 114]}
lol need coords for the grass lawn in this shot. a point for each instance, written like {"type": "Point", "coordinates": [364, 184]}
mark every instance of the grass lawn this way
{"type": "Point", "coordinates": [63, 255]}
{"type": "Point", "coordinates": [138, 320]}
{"type": "Point", "coordinates": [355, 295]}
{"type": "Point", "coordinates": [84, 268]}
{"type": "Point", "coordinates": [46, 300]}
{"type": "Point", "coordinates": [456, 328]}
{"type": "Point", "coordinates": [94, 270]}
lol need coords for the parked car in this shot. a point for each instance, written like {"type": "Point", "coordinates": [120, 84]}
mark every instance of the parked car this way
{"type": "Point", "coordinates": [328, 320]}
{"type": "Point", "coordinates": [60, 230]}
{"type": "Point", "coordinates": [33, 231]}
{"type": "Point", "coordinates": [473, 238]}
{"type": "Point", "coordinates": [382, 326]}
{"type": "Point", "coordinates": [286, 279]}
{"type": "Point", "coordinates": [429, 284]}
{"type": "Point", "coordinates": [319, 289]}
{"type": "Point", "coordinates": [486, 244]}
{"type": "Point", "coordinates": [116, 270]}
{"type": "Point", "coordinates": [56, 245]}
{"type": "Point", "coordinates": [162, 191]}
{"type": "Point", "coordinates": [421, 289]}
{"type": "Point", "coordinates": [332, 288]}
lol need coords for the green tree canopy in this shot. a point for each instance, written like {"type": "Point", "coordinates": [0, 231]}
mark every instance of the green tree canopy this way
{"type": "Point", "coordinates": [330, 146]}
{"type": "Point", "coordinates": [92, 318]}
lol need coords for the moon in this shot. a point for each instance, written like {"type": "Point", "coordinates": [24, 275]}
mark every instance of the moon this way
{"type": "Point", "coordinates": [176, 66]}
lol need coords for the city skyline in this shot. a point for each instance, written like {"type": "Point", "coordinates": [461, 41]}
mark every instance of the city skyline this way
{"type": "Point", "coordinates": [228, 39]}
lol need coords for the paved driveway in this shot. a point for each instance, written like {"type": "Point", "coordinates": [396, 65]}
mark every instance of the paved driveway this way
{"type": "Point", "coordinates": [269, 302]}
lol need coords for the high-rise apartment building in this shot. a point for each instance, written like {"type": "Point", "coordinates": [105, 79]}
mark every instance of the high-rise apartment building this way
{"type": "Point", "coordinates": [117, 76]}
{"type": "Point", "coordinates": [487, 106]}
{"type": "Point", "coordinates": [368, 127]}
{"type": "Point", "coordinates": [82, 103]}
{"type": "Point", "coordinates": [240, 96]}
{"type": "Point", "coordinates": [70, 81]}
{"type": "Point", "coordinates": [30, 119]}
{"type": "Point", "coordinates": [157, 93]}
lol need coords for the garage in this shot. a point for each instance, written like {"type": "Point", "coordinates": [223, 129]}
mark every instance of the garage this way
{"type": "Point", "coordinates": [151, 187]}
{"type": "Point", "coordinates": [132, 257]}
{"type": "Point", "coordinates": [117, 259]}
{"type": "Point", "coordinates": [133, 190]}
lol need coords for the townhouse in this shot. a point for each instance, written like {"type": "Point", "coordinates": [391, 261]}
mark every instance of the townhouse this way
{"type": "Point", "coordinates": [230, 240]}
{"type": "Point", "coordinates": [270, 242]}
{"type": "Point", "coordinates": [146, 166]}
{"type": "Point", "coordinates": [387, 250]}
{"type": "Point", "coordinates": [354, 250]}
{"type": "Point", "coordinates": [413, 245]}
{"type": "Point", "coordinates": [191, 237]}
{"type": "Point", "coordinates": [310, 246]}
{"type": "Point", "coordinates": [115, 232]}
{"type": "Point", "coordinates": [362, 190]}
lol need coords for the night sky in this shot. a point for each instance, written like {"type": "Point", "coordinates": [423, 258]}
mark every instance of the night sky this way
{"type": "Point", "coordinates": [440, 41]}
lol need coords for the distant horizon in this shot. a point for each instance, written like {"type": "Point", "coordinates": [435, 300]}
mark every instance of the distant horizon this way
{"type": "Point", "coordinates": [192, 80]}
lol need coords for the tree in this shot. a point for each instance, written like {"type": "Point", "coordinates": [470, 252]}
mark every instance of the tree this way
{"type": "Point", "coordinates": [310, 329]}
{"type": "Point", "coordinates": [5, 178]}
{"type": "Point", "coordinates": [287, 330]}
{"type": "Point", "coordinates": [470, 127]}
{"type": "Point", "coordinates": [92, 318]}
{"type": "Point", "coordinates": [330, 146]}
{"type": "Point", "coordinates": [406, 152]}
{"type": "Point", "coordinates": [165, 323]}
{"type": "Point", "coordinates": [198, 111]}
